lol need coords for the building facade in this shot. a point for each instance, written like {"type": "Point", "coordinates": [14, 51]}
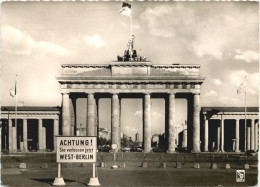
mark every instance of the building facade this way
{"type": "Point", "coordinates": [30, 128]}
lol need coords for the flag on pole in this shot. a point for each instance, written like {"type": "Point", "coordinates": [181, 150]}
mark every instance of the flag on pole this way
{"type": "Point", "coordinates": [126, 9]}
{"type": "Point", "coordinates": [13, 92]}
{"type": "Point", "coordinates": [241, 87]}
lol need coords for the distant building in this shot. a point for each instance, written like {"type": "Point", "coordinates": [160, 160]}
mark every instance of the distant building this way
{"type": "Point", "coordinates": [104, 133]}
{"type": "Point", "coordinates": [155, 139]}
{"type": "Point", "coordinates": [137, 137]}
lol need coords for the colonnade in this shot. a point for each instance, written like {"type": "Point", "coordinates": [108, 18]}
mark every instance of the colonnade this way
{"type": "Point", "coordinates": [68, 121]}
{"type": "Point", "coordinates": [251, 135]}
{"type": "Point", "coordinates": [12, 135]}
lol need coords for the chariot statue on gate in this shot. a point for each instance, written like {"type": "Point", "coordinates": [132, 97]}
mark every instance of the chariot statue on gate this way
{"type": "Point", "coordinates": [130, 55]}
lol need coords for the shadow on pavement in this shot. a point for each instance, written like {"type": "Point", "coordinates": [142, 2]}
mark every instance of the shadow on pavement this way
{"type": "Point", "coordinates": [51, 180]}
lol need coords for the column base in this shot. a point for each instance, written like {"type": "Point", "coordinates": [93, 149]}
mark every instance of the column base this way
{"type": "Point", "coordinates": [146, 151]}
{"type": "Point", "coordinates": [196, 151]}
{"type": "Point", "coordinates": [170, 151]}
{"type": "Point", "coordinates": [93, 182]}
{"type": "Point", "coordinates": [237, 151]}
{"type": "Point", "coordinates": [59, 181]}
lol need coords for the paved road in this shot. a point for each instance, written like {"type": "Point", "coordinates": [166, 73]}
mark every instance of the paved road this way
{"type": "Point", "coordinates": [130, 176]}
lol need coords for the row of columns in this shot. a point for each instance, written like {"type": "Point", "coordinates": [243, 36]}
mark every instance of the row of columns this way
{"type": "Point", "coordinates": [41, 135]}
{"type": "Point", "coordinates": [92, 118]}
{"type": "Point", "coordinates": [251, 136]}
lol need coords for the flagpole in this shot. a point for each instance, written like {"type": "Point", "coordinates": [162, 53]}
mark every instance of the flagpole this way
{"type": "Point", "coordinates": [16, 103]}
{"type": "Point", "coordinates": [245, 112]}
{"type": "Point", "coordinates": [131, 33]}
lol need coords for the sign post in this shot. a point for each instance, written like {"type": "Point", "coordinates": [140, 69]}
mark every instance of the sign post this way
{"type": "Point", "coordinates": [76, 149]}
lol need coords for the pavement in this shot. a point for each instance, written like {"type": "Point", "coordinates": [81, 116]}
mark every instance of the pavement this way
{"type": "Point", "coordinates": [37, 174]}
{"type": "Point", "coordinates": [129, 176]}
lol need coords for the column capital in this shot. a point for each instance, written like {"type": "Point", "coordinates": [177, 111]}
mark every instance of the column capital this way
{"type": "Point", "coordinates": [147, 93]}
{"type": "Point", "coordinates": [196, 93]}
{"type": "Point", "coordinates": [90, 93]}
{"type": "Point", "coordinates": [65, 93]}
{"type": "Point", "coordinates": [171, 93]}
{"type": "Point", "coordinates": [114, 93]}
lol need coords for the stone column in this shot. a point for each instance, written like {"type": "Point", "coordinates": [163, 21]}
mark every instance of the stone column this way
{"type": "Point", "coordinates": [73, 115]}
{"type": "Point", "coordinates": [44, 138]}
{"type": "Point", "coordinates": [25, 142]}
{"type": "Point", "coordinates": [256, 137]}
{"type": "Point", "coordinates": [206, 136]}
{"type": "Point", "coordinates": [218, 140]}
{"type": "Point", "coordinates": [237, 136]}
{"type": "Point", "coordinates": [55, 133]}
{"type": "Point", "coordinates": [15, 137]}
{"type": "Point", "coordinates": [40, 143]}
{"type": "Point", "coordinates": [147, 122]}
{"type": "Point", "coordinates": [96, 118]}
{"type": "Point", "coordinates": [119, 128]}
{"type": "Point", "coordinates": [91, 115]}
{"type": "Point", "coordinates": [185, 138]}
{"type": "Point", "coordinates": [252, 135]}
{"type": "Point", "coordinates": [248, 138]}
{"type": "Point", "coordinates": [115, 119]}
{"type": "Point", "coordinates": [222, 135]}
{"type": "Point", "coordinates": [66, 115]}
{"type": "Point", "coordinates": [196, 123]}
{"type": "Point", "coordinates": [10, 134]}
{"type": "Point", "coordinates": [171, 126]}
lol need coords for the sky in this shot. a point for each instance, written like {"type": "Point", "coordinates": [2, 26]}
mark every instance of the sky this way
{"type": "Point", "coordinates": [37, 37]}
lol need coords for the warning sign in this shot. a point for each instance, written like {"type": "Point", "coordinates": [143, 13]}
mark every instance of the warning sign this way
{"type": "Point", "coordinates": [76, 149]}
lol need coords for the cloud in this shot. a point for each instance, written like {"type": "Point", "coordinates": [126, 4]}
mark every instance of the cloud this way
{"type": "Point", "coordinates": [134, 26]}
{"type": "Point", "coordinates": [127, 129]}
{"type": "Point", "coordinates": [94, 41]}
{"type": "Point", "coordinates": [16, 42]}
{"type": "Point", "coordinates": [247, 56]}
{"type": "Point", "coordinates": [157, 115]}
{"type": "Point", "coordinates": [238, 77]}
{"type": "Point", "coordinates": [138, 113]}
{"type": "Point", "coordinates": [211, 93]}
{"type": "Point", "coordinates": [163, 20]}
{"type": "Point", "coordinates": [217, 81]}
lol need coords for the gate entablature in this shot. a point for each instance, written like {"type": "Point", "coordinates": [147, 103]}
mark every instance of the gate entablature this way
{"type": "Point", "coordinates": [132, 77]}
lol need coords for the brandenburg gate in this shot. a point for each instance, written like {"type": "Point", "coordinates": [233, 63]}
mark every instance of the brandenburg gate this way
{"type": "Point", "coordinates": [132, 79]}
